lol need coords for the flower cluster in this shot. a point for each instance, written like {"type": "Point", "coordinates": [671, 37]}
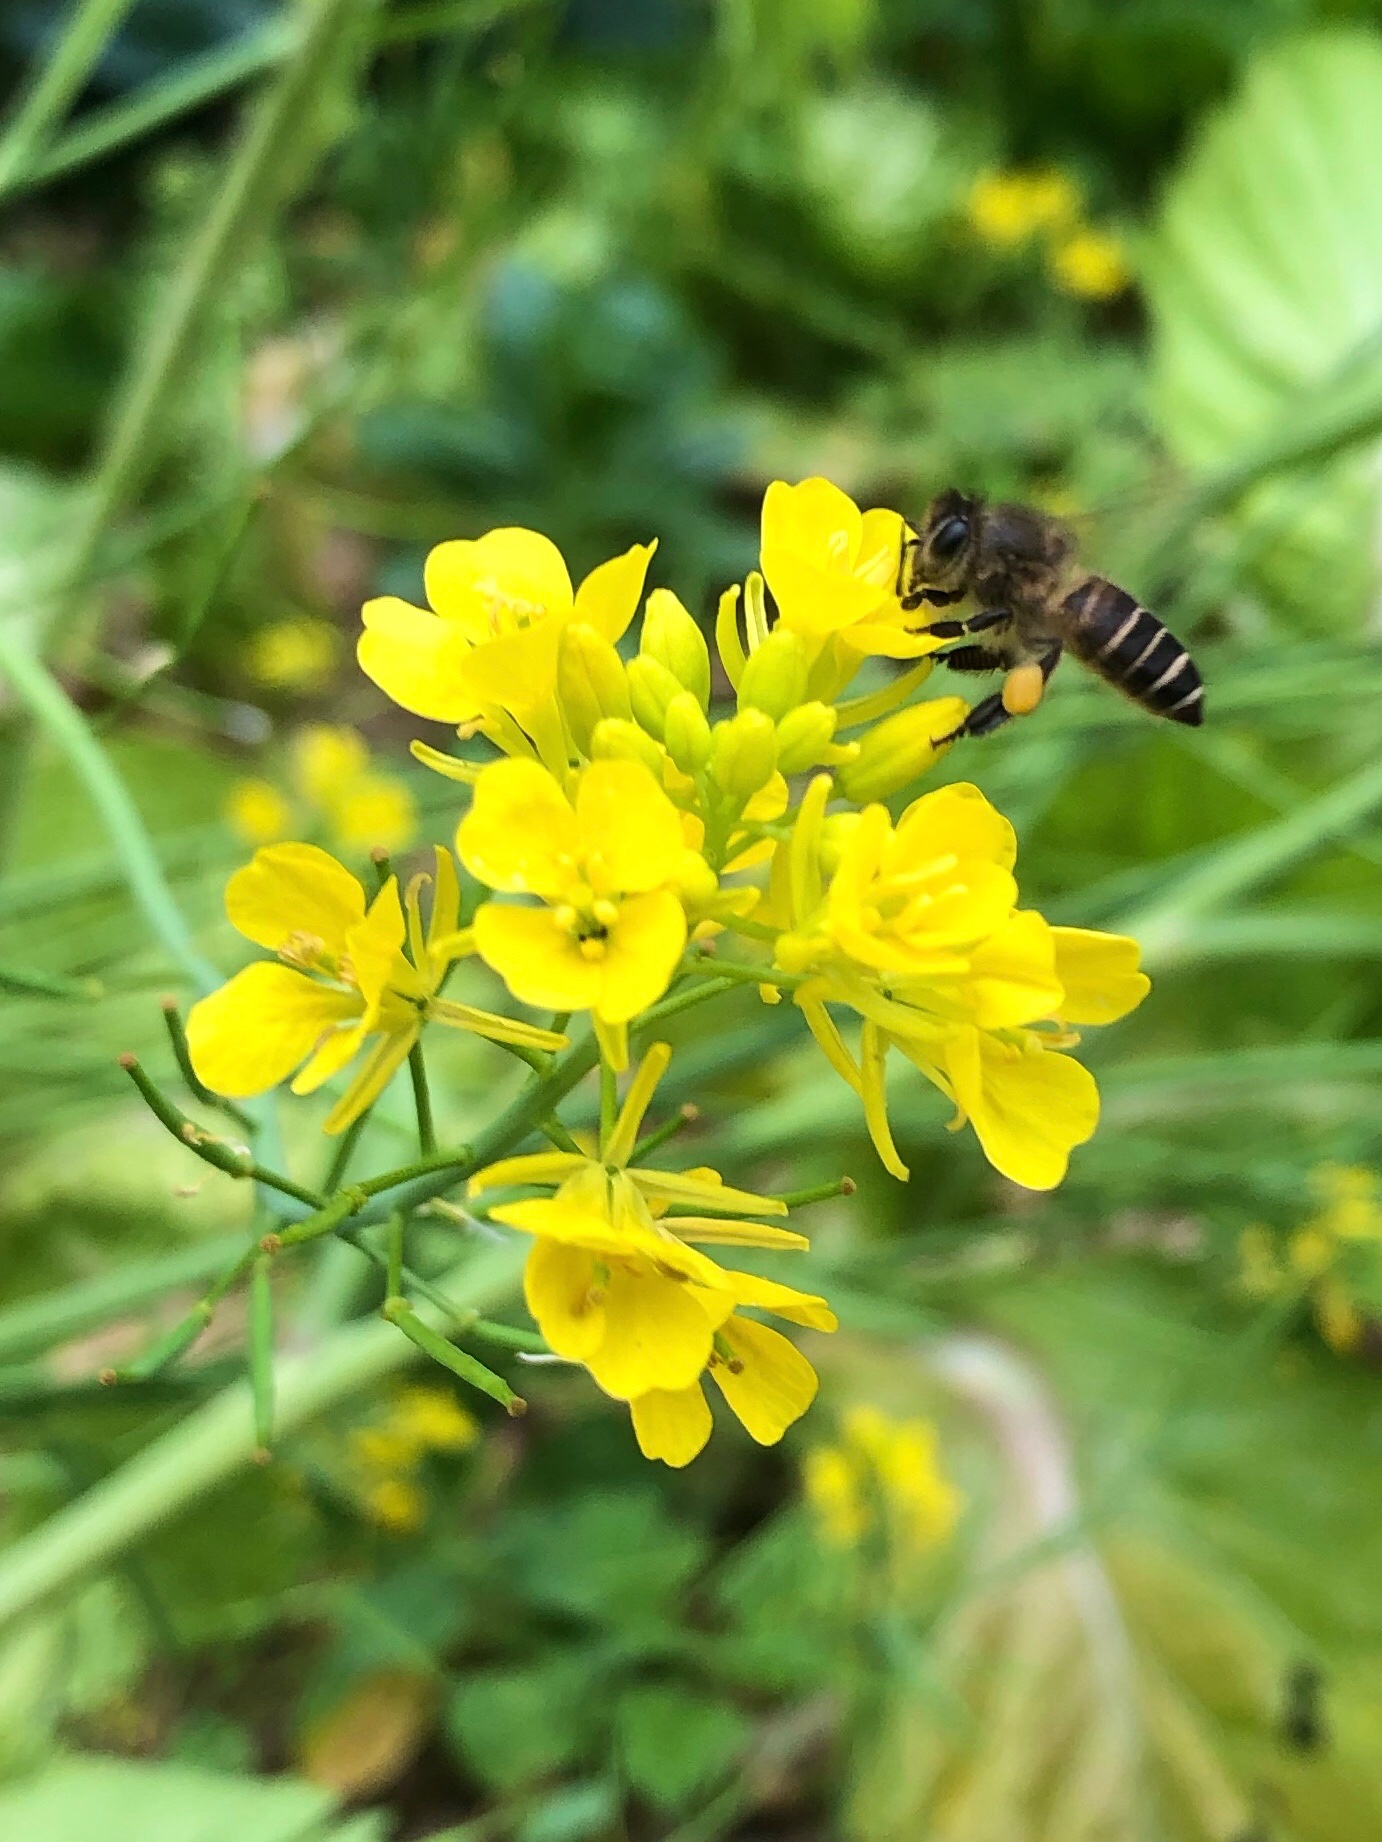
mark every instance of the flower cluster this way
{"type": "Point", "coordinates": [616, 1281]}
{"type": "Point", "coordinates": [1332, 1263]}
{"type": "Point", "coordinates": [1010, 210]}
{"type": "Point", "coordinates": [334, 789]}
{"type": "Point", "coordinates": [883, 1474]}
{"type": "Point", "coordinates": [386, 1454]}
{"type": "Point", "coordinates": [637, 838]}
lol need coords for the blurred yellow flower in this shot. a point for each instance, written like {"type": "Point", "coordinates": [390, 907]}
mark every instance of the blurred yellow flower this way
{"type": "Point", "coordinates": [884, 1473]}
{"type": "Point", "coordinates": [341, 979]}
{"type": "Point", "coordinates": [298, 654]}
{"type": "Point", "coordinates": [386, 1454]}
{"type": "Point", "coordinates": [397, 1504]}
{"type": "Point", "coordinates": [337, 789]}
{"type": "Point", "coordinates": [486, 651]}
{"type": "Point", "coordinates": [257, 812]}
{"type": "Point", "coordinates": [1092, 265]}
{"type": "Point", "coordinates": [605, 864]}
{"type": "Point", "coordinates": [613, 1284]}
{"type": "Point", "coordinates": [1006, 209]}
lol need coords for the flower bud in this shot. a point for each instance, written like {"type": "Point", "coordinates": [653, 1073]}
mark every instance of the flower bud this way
{"type": "Point", "coordinates": [590, 682]}
{"type": "Point", "coordinates": [686, 732]}
{"type": "Point", "coordinates": [615, 739]}
{"type": "Point", "coordinates": [672, 637]}
{"type": "Point", "coordinates": [743, 753]}
{"type": "Point", "coordinates": [651, 688]}
{"type": "Point", "coordinates": [803, 736]}
{"type": "Point", "coordinates": [898, 750]}
{"type": "Point", "coordinates": [774, 679]}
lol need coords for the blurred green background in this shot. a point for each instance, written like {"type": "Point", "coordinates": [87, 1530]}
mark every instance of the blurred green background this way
{"type": "Point", "coordinates": [289, 293]}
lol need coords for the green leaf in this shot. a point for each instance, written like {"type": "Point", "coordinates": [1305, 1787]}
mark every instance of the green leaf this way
{"type": "Point", "coordinates": [1264, 281]}
{"type": "Point", "coordinates": [513, 1726]}
{"type": "Point", "coordinates": [676, 1743]}
{"type": "Point", "coordinates": [160, 1803]}
{"type": "Point", "coordinates": [612, 1557]}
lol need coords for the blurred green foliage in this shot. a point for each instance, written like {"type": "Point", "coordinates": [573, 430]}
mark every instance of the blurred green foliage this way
{"type": "Point", "coordinates": [605, 268]}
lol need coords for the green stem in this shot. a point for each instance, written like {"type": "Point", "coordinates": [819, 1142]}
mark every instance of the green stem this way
{"type": "Point", "coordinates": [262, 1351]}
{"type": "Point", "coordinates": [819, 1192]}
{"type": "Point", "coordinates": [37, 1324]}
{"type": "Point", "coordinates": [214, 1443]}
{"type": "Point", "coordinates": [46, 702]}
{"type": "Point", "coordinates": [205, 1145]}
{"type": "Point", "coordinates": [165, 1350]}
{"type": "Point", "coordinates": [654, 1141]}
{"type": "Point", "coordinates": [393, 1279]}
{"type": "Point", "coordinates": [341, 1156]}
{"type": "Point", "coordinates": [422, 1101]}
{"type": "Point", "coordinates": [91, 27]}
{"type": "Point", "coordinates": [460, 1362]}
{"type": "Point", "coordinates": [609, 1101]}
{"type": "Point", "coordinates": [177, 1036]}
{"type": "Point", "coordinates": [26, 983]}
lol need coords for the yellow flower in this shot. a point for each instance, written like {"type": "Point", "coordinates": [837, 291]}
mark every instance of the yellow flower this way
{"type": "Point", "coordinates": [257, 812]}
{"type": "Point", "coordinates": [1008, 209]}
{"type": "Point", "coordinates": [1092, 265]}
{"type": "Point", "coordinates": [432, 1419]}
{"type": "Point", "coordinates": [324, 759]}
{"type": "Point", "coordinates": [833, 1491]}
{"type": "Point", "coordinates": [487, 652]}
{"type": "Point", "coordinates": [888, 1468]}
{"type": "Point", "coordinates": [364, 809]}
{"type": "Point", "coordinates": [918, 932]}
{"type": "Point", "coordinates": [341, 979]}
{"type": "Point", "coordinates": [833, 569]}
{"type": "Point", "coordinates": [605, 863]}
{"type": "Point", "coordinates": [293, 655]}
{"type": "Point", "coordinates": [397, 1504]}
{"type": "Point", "coordinates": [613, 1284]}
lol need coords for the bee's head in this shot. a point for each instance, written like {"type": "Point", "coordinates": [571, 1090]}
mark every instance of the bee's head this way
{"type": "Point", "coordinates": [947, 534]}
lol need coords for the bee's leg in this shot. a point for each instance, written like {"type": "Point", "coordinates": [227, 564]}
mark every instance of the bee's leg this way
{"type": "Point", "coordinates": [977, 623]}
{"type": "Point", "coordinates": [1020, 695]}
{"type": "Point", "coordinates": [969, 659]}
{"type": "Point", "coordinates": [931, 597]}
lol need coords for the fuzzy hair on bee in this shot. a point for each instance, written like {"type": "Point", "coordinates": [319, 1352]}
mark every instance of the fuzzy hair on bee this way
{"type": "Point", "coordinates": [1036, 601]}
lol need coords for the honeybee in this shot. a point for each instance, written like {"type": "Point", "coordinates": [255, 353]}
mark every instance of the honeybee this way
{"type": "Point", "coordinates": [1035, 600]}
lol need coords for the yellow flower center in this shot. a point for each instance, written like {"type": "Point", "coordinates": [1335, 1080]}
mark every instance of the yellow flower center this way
{"type": "Point", "coordinates": [307, 952]}
{"type": "Point", "coordinates": [508, 613]}
{"type": "Point", "coordinates": [588, 918]}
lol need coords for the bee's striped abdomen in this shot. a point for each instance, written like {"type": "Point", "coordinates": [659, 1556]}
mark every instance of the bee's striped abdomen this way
{"type": "Point", "coordinates": [1127, 645]}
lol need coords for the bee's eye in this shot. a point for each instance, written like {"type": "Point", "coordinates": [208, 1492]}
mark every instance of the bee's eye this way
{"type": "Point", "coordinates": [950, 539]}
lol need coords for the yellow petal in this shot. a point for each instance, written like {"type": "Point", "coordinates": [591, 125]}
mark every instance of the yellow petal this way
{"type": "Point", "coordinates": [637, 1100]}
{"type": "Point", "coordinates": [641, 954]}
{"type": "Point", "coordinates": [520, 834]}
{"type": "Point", "coordinates": [330, 1057]}
{"type": "Point", "coordinates": [538, 1167]}
{"type": "Point", "coordinates": [559, 1286]}
{"type": "Point", "coordinates": [539, 961]}
{"type": "Point", "coordinates": [775, 1385]}
{"type": "Point", "coordinates": [880, 547]}
{"type": "Point", "coordinates": [956, 819]}
{"type": "Point", "coordinates": [609, 596]}
{"type": "Point", "coordinates": [1029, 1106]}
{"type": "Point", "coordinates": [657, 1335]}
{"type": "Point", "coordinates": [253, 1032]}
{"type": "Point", "coordinates": [873, 1089]}
{"type": "Point", "coordinates": [374, 948]}
{"type": "Point", "coordinates": [518, 672]}
{"type": "Point", "coordinates": [551, 1219]}
{"type": "Point", "coordinates": [493, 1027]}
{"type": "Point", "coordinates": [671, 1425]}
{"type": "Point", "coordinates": [704, 1189]}
{"type": "Point", "coordinates": [379, 1069]}
{"type": "Point", "coordinates": [507, 576]}
{"type": "Point", "coordinates": [1012, 976]}
{"type": "Point", "coordinates": [783, 1301]}
{"type": "Point", "coordinates": [414, 658]}
{"type": "Point", "coordinates": [631, 838]}
{"type": "Point", "coordinates": [291, 889]}
{"type": "Point", "coordinates": [1099, 974]}
{"type": "Point", "coordinates": [446, 899]}
{"type": "Point", "coordinates": [708, 1231]}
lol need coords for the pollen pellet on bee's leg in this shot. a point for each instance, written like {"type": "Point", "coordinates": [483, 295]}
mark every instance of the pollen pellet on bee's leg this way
{"type": "Point", "coordinates": [1022, 689]}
